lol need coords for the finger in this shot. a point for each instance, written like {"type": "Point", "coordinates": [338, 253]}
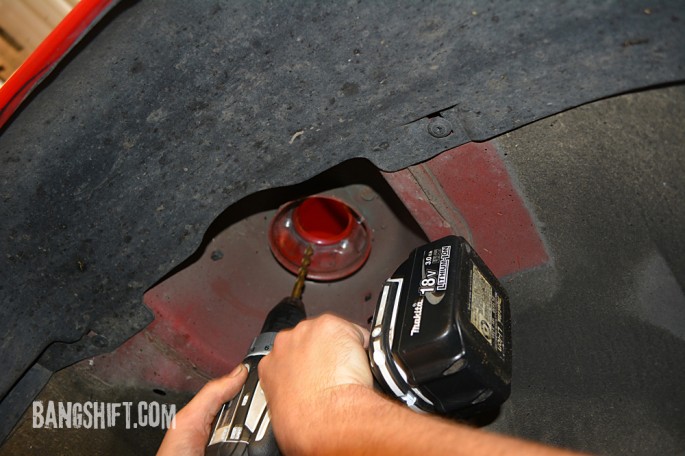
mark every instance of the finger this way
{"type": "Point", "coordinates": [263, 367]}
{"type": "Point", "coordinates": [283, 336]}
{"type": "Point", "coordinates": [363, 335]}
{"type": "Point", "coordinates": [224, 388]}
{"type": "Point", "coordinates": [212, 396]}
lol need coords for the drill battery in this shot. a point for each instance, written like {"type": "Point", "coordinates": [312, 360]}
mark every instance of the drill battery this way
{"type": "Point", "coordinates": [441, 333]}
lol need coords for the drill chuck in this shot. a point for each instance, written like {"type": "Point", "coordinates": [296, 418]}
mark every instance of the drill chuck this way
{"type": "Point", "coordinates": [287, 314]}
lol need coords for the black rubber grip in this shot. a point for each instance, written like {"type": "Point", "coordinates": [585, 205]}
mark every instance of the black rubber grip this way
{"type": "Point", "coordinates": [285, 315]}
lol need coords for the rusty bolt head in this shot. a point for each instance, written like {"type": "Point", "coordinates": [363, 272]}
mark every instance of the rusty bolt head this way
{"type": "Point", "coordinates": [439, 127]}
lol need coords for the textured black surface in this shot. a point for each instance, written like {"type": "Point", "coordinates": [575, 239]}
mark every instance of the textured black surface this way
{"type": "Point", "coordinates": [175, 109]}
{"type": "Point", "coordinates": [19, 398]}
{"type": "Point", "coordinates": [599, 337]}
{"type": "Point", "coordinates": [74, 385]}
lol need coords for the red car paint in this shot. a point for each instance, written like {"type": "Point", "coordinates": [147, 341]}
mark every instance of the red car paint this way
{"type": "Point", "coordinates": [48, 54]}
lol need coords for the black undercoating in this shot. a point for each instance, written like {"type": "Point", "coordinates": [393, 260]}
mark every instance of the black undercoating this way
{"type": "Point", "coordinates": [599, 335]}
{"type": "Point", "coordinates": [171, 111]}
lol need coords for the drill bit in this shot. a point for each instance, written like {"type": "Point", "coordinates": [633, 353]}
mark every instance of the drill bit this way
{"type": "Point", "coordinates": [302, 272]}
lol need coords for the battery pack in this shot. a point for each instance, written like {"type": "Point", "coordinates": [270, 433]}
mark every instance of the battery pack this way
{"type": "Point", "coordinates": [441, 333]}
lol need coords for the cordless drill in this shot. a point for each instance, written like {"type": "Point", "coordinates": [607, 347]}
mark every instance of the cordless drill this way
{"type": "Point", "coordinates": [440, 342]}
{"type": "Point", "coordinates": [243, 426]}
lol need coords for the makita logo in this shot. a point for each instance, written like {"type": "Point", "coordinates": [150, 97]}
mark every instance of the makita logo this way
{"type": "Point", "coordinates": [418, 308]}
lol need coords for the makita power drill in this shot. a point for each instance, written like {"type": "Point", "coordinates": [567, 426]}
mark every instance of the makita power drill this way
{"type": "Point", "coordinates": [440, 342]}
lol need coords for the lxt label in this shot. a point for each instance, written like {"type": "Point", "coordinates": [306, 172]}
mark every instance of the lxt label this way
{"type": "Point", "coordinates": [486, 311]}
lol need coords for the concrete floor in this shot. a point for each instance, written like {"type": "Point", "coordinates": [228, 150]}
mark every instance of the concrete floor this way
{"type": "Point", "coordinates": [599, 335]}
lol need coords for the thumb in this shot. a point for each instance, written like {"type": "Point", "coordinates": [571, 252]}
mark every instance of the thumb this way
{"type": "Point", "coordinates": [192, 423]}
{"type": "Point", "coordinates": [212, 396]}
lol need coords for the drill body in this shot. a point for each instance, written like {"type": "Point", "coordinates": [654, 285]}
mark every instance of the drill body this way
{"type": "Point", "coordinates": [243, 426]}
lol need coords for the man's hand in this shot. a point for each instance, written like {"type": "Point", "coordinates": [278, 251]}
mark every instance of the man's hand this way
{"type": "Point", "coordinates": [304, 371]}
{"type": "Point", "coordinates": [319, 388]}
{"type": "Point", "coordinates": [193, 422]}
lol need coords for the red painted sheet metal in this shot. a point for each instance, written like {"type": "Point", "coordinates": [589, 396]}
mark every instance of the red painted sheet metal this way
{"type": "Point", "coordinates": [431, 208]}
{"type": "Point", "coordinates": [206, 315]}
{"type": "Point", "coordinates": [468, 191]}
{"type": "Point", "coordinates": [46, 56]}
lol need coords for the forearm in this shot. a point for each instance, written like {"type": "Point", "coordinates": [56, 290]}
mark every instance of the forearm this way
{"type": "Point", "coordinates": [319, 387]}
{"type": "Point", "coordinates": [360, 421]}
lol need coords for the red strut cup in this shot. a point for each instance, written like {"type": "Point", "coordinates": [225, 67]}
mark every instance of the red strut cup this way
{"type": "Point", "coordinates": [337, 233]}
